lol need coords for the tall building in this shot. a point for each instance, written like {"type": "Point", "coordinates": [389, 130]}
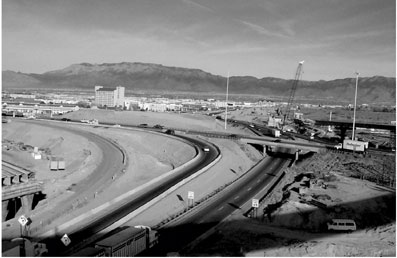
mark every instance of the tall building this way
{"type": "Point", "coordinates": [110, 97]}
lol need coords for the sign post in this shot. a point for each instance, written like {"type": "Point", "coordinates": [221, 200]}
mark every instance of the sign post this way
{"type": "Point", "coordinates": [23, 221]}
{"type": "Point", "coordinates": [66, 240]}
{"type": "Point", "coordinates": [190, 196]}
{"type": "Point", "coordinates": [255, 205]}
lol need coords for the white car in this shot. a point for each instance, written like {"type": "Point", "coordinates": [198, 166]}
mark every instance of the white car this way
{"type": "Point", "coordinates": [206, 149]}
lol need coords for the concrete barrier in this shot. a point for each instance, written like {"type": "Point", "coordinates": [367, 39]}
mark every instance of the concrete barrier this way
{"type": "Point", "coordinates": [124, 196]}
{"type": "Point", "coordinates": [158, 198]}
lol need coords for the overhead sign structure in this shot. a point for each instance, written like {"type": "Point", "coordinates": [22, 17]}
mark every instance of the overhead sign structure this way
{"type": "Point", "coordinates": [23, 220]}
{"type": "Point", "coordinates": [66, 240]}
{"type": "Point", "coordinates": [255, 203]}
{"type": "Point", "coordinates": [190, 195]}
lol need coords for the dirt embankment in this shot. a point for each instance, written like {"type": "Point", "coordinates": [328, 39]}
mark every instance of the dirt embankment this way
{"type": "Point", "coordinates": [77, 152]}
{"type": "Point", "coordinates": [173, 120]}
{"type": "Point", "coordinates": [292, 220]}
{"type": "Point", "coordinates": [320, 189]}
{"type": "Point", "coordinates": [149, 155]}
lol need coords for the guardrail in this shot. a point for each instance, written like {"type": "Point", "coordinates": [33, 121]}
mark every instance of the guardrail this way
{"type": "Point", "coordinates": [201, 201]}
{"type": "Point", "coordinates": [146, 205]}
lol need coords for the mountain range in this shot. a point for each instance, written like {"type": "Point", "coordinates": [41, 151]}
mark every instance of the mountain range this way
{"type": "Point", "coordinates": [161, 79]}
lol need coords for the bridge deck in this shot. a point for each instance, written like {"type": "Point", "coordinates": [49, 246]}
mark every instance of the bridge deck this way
{"type": "Point", "coordinates": [15, 169]}
{"type": "Point", "coordinates": [18, 190]}
{"type": "Point", "coordinates": [285, 144]}
{"type": "Point", "coordinates": [362, 125]}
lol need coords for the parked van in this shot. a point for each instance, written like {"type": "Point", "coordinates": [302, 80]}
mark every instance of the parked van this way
{"type": "Point", "coordinates": [342, 225]}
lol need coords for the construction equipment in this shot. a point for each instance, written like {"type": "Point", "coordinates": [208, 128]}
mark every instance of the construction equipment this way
{"type": "Point", "coordinates": [292, 93]}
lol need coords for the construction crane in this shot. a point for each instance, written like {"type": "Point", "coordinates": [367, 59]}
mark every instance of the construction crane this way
{"type": "Point", "coordinates": [292, 93]}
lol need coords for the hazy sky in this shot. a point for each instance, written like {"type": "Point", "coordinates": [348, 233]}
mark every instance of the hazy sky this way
{"type": "Point", "coordinates": [258, 38]}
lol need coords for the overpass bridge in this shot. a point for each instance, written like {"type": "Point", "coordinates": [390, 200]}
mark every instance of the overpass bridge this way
{"type": "Point", "coordinates": [269, 143]}
{"type": "Point", "coordinates": [349, 125]}
{"type": "Point", "coordinates": [344, 126]}
{"type": "Point", "coordinates": [18, 190]}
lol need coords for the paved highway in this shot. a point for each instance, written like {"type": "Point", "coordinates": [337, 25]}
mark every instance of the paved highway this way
{"type": "Point", "coordinates": [99, 178]}
{"type": "Point", "coordinates": [184, 230]}
{"type": "Point", "coordinates": [105, 220]}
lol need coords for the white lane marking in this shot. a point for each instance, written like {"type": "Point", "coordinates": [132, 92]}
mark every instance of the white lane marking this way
{"type": "Point", "coordinates": [236, 197]}
{"type": "Point", "coordinates": [220, 208]}
{"type": "Point", "coordinates": [249, 189]}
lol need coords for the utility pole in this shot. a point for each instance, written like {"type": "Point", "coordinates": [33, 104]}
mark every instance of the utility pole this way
{"type": "Point", "coordinates": [355, 103]}
{"type": "Point", "coordinates": [227, 96]}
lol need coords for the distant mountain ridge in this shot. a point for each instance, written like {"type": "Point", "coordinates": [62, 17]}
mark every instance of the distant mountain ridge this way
{"type": "Point", "coordinates": [156, 77]}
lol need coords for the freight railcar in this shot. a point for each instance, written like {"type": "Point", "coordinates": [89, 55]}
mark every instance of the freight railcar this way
{"type": "Point", "coordinates": [128, 242]}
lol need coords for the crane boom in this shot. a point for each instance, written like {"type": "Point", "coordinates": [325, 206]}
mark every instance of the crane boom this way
{"type": "Point", "coordinates": [293, 89]}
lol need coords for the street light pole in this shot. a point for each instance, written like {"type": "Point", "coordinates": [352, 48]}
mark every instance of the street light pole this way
{"type": "Point", "coordinates": [355, 103]}
{"type": "Point", "coordinates": [227, 96]}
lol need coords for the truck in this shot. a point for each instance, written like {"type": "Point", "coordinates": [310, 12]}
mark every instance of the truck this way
{"type": "Point", "coordinates": [130, 241]}
{"type": "Point", "coordinates": [338, 146]}
{"type": "Point", "coordinates": [275, 133]}
{"type": "Point", "coordinates": [353, 145]}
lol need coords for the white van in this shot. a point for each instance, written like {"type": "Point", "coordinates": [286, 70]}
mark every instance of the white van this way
{"type": "Point", "coordinates": [342, 224]}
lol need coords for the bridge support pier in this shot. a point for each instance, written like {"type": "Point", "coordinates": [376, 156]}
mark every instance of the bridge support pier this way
{"type": "Point", "coordinates": [343, 132]}
{"type": "Point", "coordinates": [13, 207]}
{"type": "Point", "coordinates": [27, 201]}
{"type": "Point", "coordinates": [297, 155]}
{"type": "Point", "coordinates": [4, 210]}
{"type": "Point", "coordinates": [267, 149]}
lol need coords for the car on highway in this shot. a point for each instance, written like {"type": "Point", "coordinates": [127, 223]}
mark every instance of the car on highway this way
{"type": "Point", "coordinates": [168, 131]}
{"type": "Point", "coordinates": [143, 125]}
{"type": "Point", "coordinates": [206, 149]}
{"type": "Point", "coordinates": [65, 119]}
{"type": "Point", "coordinates": [158, 127]}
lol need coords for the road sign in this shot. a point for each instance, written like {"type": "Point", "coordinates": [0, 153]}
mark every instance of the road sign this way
{"type": "Point", "coordinates": [190, 195]}
{"type": "Point", "coordinates": [255, 203]}
{"type": "Point", "coordinates": [66, 240]}
{"type": "Point", "coordinates": [23, 220]}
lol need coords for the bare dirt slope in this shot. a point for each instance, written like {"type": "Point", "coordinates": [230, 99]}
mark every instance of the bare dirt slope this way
{"type": "Point", "coordinates": [150, 155]}
{"type": "Point", "coordinates": [75, 149]}
{"type": "Point", "coordinates": [286, 225]}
